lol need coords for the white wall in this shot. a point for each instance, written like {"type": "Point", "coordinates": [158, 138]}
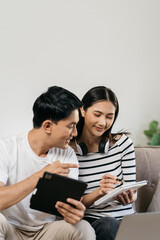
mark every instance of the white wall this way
{"type": "Point", "coordinates": [78, 45]}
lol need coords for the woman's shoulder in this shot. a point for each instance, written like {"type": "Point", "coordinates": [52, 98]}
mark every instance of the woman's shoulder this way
{"type": "Point", "coordinates": [119, 139]}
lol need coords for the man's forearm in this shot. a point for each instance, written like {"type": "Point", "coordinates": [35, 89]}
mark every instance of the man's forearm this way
{"type": "Point", "coordinates": [10, 195]}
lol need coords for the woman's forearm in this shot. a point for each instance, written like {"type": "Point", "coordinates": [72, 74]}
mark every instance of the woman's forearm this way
{"type": "Point", "coordinates": [90, 198]}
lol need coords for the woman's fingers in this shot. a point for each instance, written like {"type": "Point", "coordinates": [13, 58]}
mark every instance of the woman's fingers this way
{"type": "Point", "coordinates": [108, 178]}
{"type": "Point", "coordinates": [107, 183]}
{"type": "Point", "coordinates": [125, 197]}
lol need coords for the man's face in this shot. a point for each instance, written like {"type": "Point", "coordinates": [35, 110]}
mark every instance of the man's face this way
{"type": "Point", "coordinates": [65, 130]}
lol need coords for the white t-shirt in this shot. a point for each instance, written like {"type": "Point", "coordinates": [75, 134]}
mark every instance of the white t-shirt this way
{"type": "Point", "coordinates": [17, 162]}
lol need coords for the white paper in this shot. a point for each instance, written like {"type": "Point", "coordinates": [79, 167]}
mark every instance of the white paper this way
{"type": "Point", "coordinates": [123, 188]}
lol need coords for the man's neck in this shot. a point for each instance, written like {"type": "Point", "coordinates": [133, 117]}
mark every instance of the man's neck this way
{"type": "Point", "coordinates": [37, 142]}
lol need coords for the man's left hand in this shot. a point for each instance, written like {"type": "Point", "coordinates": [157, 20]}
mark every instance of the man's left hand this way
{"type": "Point", "coordinates": [71, 214]}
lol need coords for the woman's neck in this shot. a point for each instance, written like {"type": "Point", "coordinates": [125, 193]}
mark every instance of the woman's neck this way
{"type": "Point", "coordinates": [91, 141]}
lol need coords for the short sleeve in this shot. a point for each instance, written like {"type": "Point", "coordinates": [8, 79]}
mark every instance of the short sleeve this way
{"type": "Point", "coordinates": [4, 163]}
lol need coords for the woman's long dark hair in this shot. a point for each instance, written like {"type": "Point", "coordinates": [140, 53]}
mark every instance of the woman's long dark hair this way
{"type": "Point", "coordinates": [95, 94]}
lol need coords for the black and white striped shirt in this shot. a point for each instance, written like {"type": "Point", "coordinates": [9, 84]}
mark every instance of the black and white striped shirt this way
{"type": "Point", "coordinates": [118, 161]}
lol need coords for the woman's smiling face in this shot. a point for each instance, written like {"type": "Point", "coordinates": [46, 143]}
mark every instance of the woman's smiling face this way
{"type": "Point", "coordinates": [99, 117]}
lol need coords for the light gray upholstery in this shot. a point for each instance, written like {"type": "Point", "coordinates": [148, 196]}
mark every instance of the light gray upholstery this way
{"type": "Point", "coordinates": [148, 168]}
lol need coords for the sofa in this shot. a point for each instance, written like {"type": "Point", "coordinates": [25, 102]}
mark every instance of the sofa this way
{"type": "Point", "coordinates": [148, 168]}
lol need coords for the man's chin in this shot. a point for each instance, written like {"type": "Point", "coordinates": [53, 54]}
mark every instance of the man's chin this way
{"type": "Point", "coordinates": [64, 146]}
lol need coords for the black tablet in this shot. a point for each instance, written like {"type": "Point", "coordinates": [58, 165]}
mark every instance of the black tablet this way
{"type": "Point", "coordinates": [52, 188]}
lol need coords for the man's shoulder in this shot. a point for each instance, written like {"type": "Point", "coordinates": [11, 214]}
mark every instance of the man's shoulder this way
{"type": "Point", "coordinates": [11, 141]}
{"type": "Point", "coordinates": [64, 155]}
{"type": "Point", "coordinates": [65, 151]}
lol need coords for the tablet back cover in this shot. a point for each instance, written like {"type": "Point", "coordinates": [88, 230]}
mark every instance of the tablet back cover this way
{"type": "Point", "coordinates": [52, 188]}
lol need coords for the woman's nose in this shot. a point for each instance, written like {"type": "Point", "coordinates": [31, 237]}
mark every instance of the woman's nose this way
{"type": "Point", "coordinates": [102, 122]}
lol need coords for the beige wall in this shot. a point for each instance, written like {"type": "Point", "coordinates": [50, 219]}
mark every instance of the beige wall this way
{"type": "Point", "coordinates": [78, 45]}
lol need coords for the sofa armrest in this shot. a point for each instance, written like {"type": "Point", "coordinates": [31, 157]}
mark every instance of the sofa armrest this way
{"type": "Point", "coordinates": [148, 168]}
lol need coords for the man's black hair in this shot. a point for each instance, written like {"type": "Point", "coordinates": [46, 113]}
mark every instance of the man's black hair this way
{"type": "Point", "coordinates": [55, 104]}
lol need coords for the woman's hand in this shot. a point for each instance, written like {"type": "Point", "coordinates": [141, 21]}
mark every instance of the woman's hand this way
{"type": "Point", "coordinates": [107, 184]}
{"type": "Point", "coordinates": [126, 197]}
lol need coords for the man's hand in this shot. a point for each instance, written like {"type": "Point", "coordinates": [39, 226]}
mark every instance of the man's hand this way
{"type": "Point", "coordinates": [59, 168]}
{"type": "Point", "coordinates": [71, 214]}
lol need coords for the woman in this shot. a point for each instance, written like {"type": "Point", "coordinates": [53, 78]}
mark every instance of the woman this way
{"type": "Point", "coordinates": [104, 157]}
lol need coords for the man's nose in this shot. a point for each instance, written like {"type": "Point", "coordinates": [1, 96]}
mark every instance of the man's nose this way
{"type": "Point", "coordinates": [74, 132]}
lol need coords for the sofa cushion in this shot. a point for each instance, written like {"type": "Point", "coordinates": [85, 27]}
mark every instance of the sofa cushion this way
{"type": "Point", "coordinates": [155, 203]}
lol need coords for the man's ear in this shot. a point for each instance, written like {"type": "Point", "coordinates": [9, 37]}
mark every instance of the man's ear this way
{"type": "Point", "coordinates": [82, 112]}
{"type": "Point", "coordinates": [47, 126]}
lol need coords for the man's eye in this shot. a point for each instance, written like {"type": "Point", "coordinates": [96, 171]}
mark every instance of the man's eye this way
{"type": "Point", "coordinates": [97, 115]}
{"type": "Point", "coordinates": [70, 127]}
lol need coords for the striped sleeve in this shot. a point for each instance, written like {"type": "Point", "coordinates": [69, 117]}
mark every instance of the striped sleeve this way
{"type": "Point", "coordinates": [128, 160]}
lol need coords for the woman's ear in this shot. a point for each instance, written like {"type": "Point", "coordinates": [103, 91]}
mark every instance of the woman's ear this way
{"type": "Point", "coordinates": [47, 126]}
{"type": "Point", "coordinates": [82, 112]}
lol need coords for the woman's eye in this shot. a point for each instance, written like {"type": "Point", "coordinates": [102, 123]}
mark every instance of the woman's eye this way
{"type": "Point", "coordinates": [96, 115]}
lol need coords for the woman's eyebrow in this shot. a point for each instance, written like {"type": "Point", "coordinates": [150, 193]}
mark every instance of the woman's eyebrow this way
{"type": "Point", "coordinates": [97, 111]}
{"type": "Point", "coordinates": [110, 114]}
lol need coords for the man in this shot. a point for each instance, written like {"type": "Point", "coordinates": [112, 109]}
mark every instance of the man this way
{"type": "Point", "coordinates": [24, 159]}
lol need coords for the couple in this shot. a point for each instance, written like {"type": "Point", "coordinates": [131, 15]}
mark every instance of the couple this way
{"type": "Point", "coordinates": [102, 158]}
